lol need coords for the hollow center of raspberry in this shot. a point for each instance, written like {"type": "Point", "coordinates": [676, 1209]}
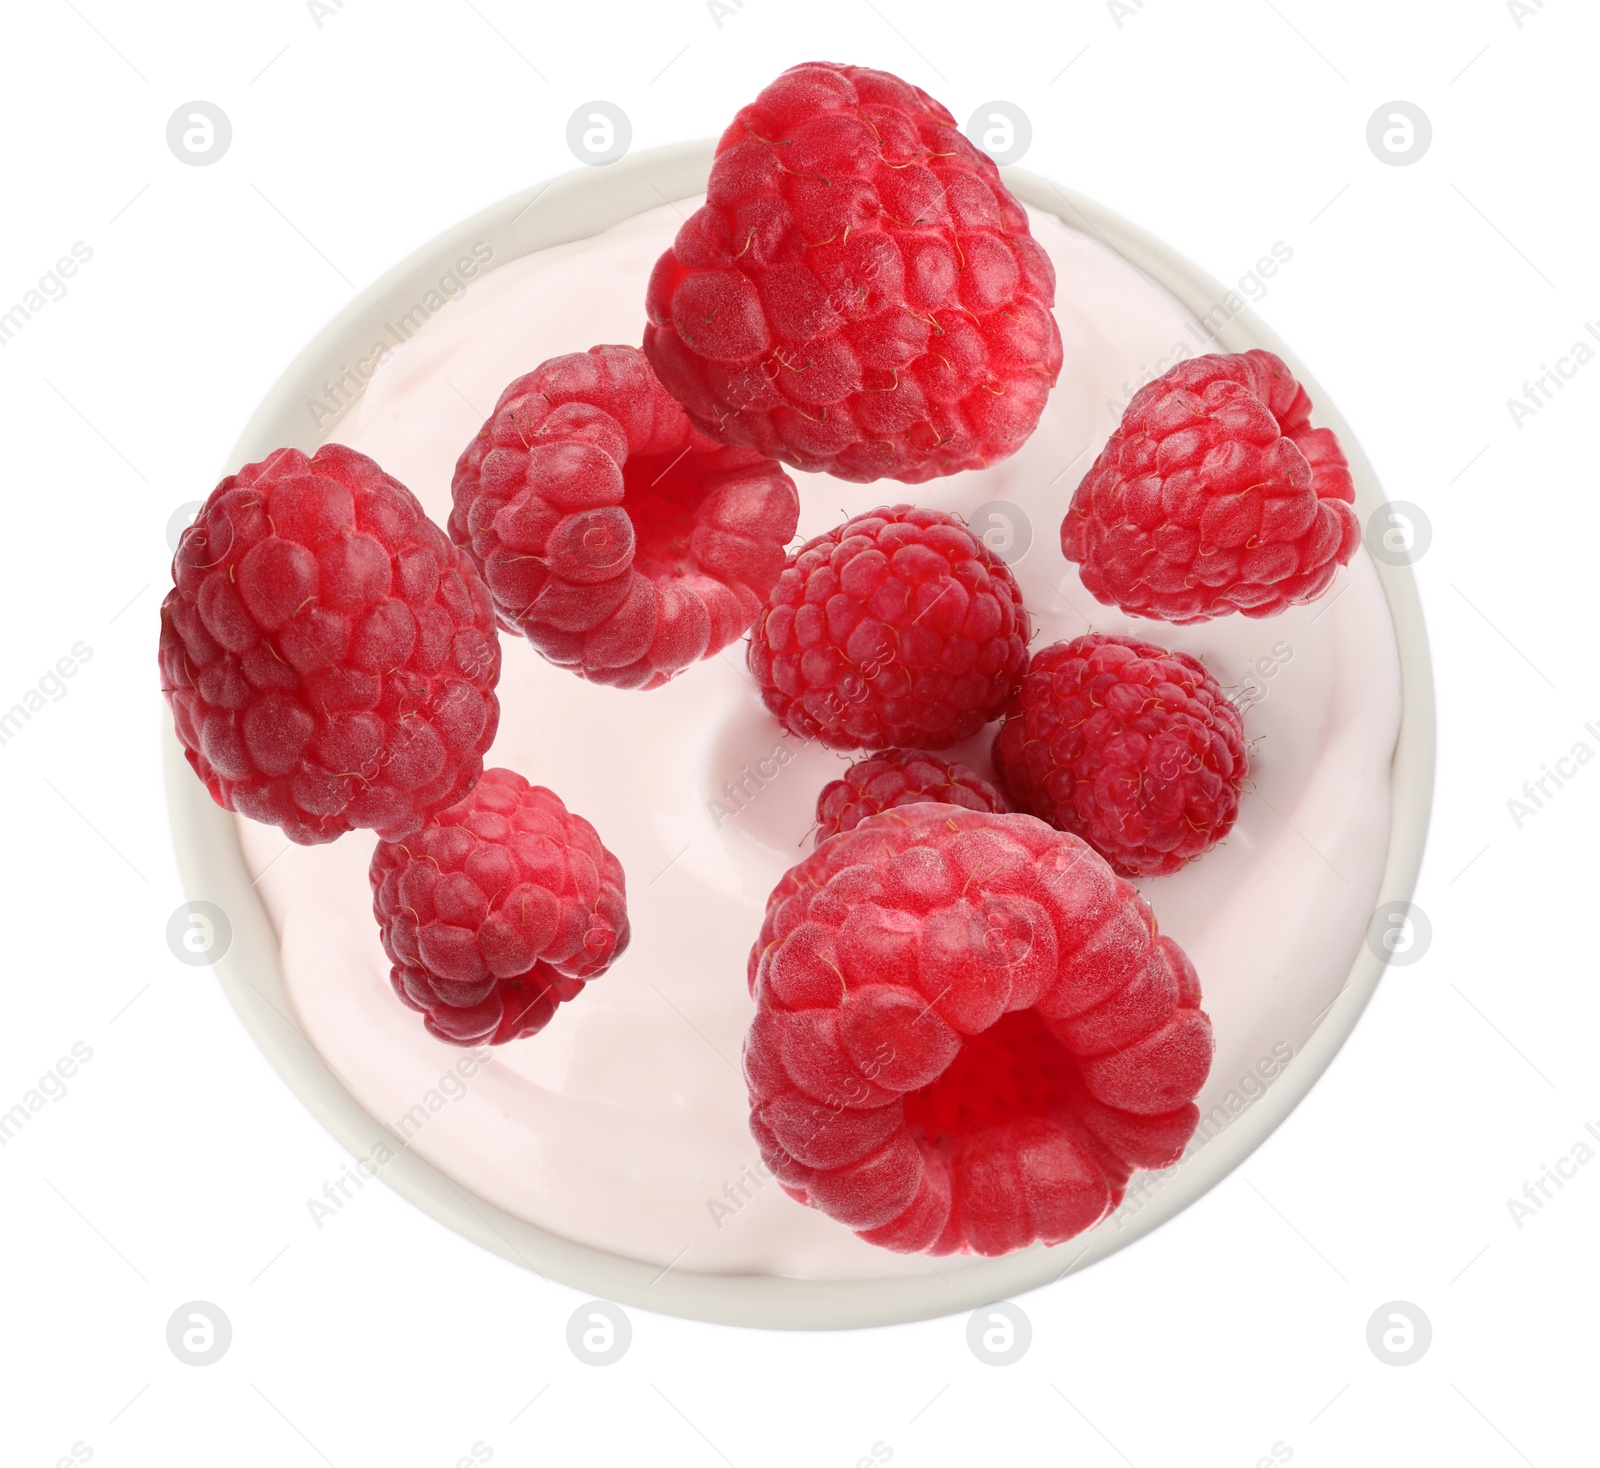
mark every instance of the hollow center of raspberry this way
{"type": "Point", "coordinates": [1016, 1068]}
{"type": "Point", "coordinates": [662, 494]}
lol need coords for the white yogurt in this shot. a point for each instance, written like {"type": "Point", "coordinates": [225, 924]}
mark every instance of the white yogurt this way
{"type": "Point", "coordinates": [623, 1125]}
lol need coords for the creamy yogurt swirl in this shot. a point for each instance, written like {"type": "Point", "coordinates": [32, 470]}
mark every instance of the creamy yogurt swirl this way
{"type": "Point", "coordinates": [623, 1125]}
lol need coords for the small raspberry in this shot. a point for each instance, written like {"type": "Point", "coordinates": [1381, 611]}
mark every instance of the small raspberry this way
{"type": "Point", "coordinates": [968, 1033]}
{"type": "Point", "coordinates": [1133, 748]}
{"type": "Point", "coordinates": [899, 777]}
{"type": "Point", "coordinates": [497, 911]}
{"type": "Point", "coordinates": [1214, 495]}
{"type": "Point", "coordinates": [621, 542]}
{"type": "Point", "coordinates": [859, 295]}
{"type": "Point", "coordinates": [897, 627]}
{"type": "Point", "coordinates": [329, 657]}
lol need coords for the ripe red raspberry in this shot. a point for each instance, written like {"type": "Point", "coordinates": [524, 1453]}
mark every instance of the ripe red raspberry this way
{"type": "Point", "coordinates": [897, 627]}
{"type": "Point", "coordinates": [899, 777]}
{"type": "Point", "coordinates": [968, 1033]}
{"type": "Point", "coordinates": [497, 911]}
{"type": "Point", "coordinates": [329, 657]}
{"type": "Point", "coordinates": [621, 542]}
{"type": "Point", "coordinates": [1131, 747]}
{"type": "Point", "coordinates": [859, 294]}
{"type": "Point", "coordinates": [1214, 495]}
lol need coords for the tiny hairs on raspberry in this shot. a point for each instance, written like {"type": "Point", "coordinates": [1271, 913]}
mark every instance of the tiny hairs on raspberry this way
{"type": "Point", "coordinates": [899, 777]}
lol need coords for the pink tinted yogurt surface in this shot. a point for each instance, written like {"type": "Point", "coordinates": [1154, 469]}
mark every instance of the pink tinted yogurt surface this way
{"type": "Point", "coordinates": [623, 1125]}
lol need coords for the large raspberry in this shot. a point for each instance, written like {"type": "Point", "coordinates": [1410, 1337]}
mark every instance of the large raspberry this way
{"type": "Point", "coordinates": [897, 627]}
{"type": "Point", "coordinates": [968, 1033]}
{"type": "Point", "coordinates": [621, 542]}
{"type": "Point", "coordinates": [497, 911]}
{"type": "Point", "coordinates": [1214, 495]}
{"type": "Point", "coordinates": [899, 777]}
{"type": "Point", "coordinates": [859, 294]}
{"type": "Point", "coordinates": [1131, 747]}
{"type": "Point", "coordinates": [329, 657]}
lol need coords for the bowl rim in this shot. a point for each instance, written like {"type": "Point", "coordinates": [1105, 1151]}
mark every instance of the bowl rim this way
{"type": "Point", "coordinates": [211, 863]}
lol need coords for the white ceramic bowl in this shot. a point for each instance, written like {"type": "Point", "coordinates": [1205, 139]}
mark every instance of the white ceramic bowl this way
{"type": "Point", "coordinates": [574, 207]}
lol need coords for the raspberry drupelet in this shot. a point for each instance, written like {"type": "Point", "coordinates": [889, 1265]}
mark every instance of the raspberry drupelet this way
{"type": "Point", "coordinates": [329, 657]}
{"type": "Point", "coordinates": [623, 543]}
{"type": "Point", "coordinates": [899, 777]}
{"type": "Point", "coordinates": [860, 294]}
{"type": "Point", "coordinates": [968, 1033]}
{"type": "Point", "coordinates": [1214, 495]}
{"type": "Point", "coordinates": [497, 911]}
{"type": "Point", "coordinates": [898, 627]}
{"type": "Point", "coordinates": [1136, 749]}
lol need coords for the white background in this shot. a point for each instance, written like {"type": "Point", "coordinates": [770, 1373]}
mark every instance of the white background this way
{"type": "Point", "coordinates": [177, 1166]}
